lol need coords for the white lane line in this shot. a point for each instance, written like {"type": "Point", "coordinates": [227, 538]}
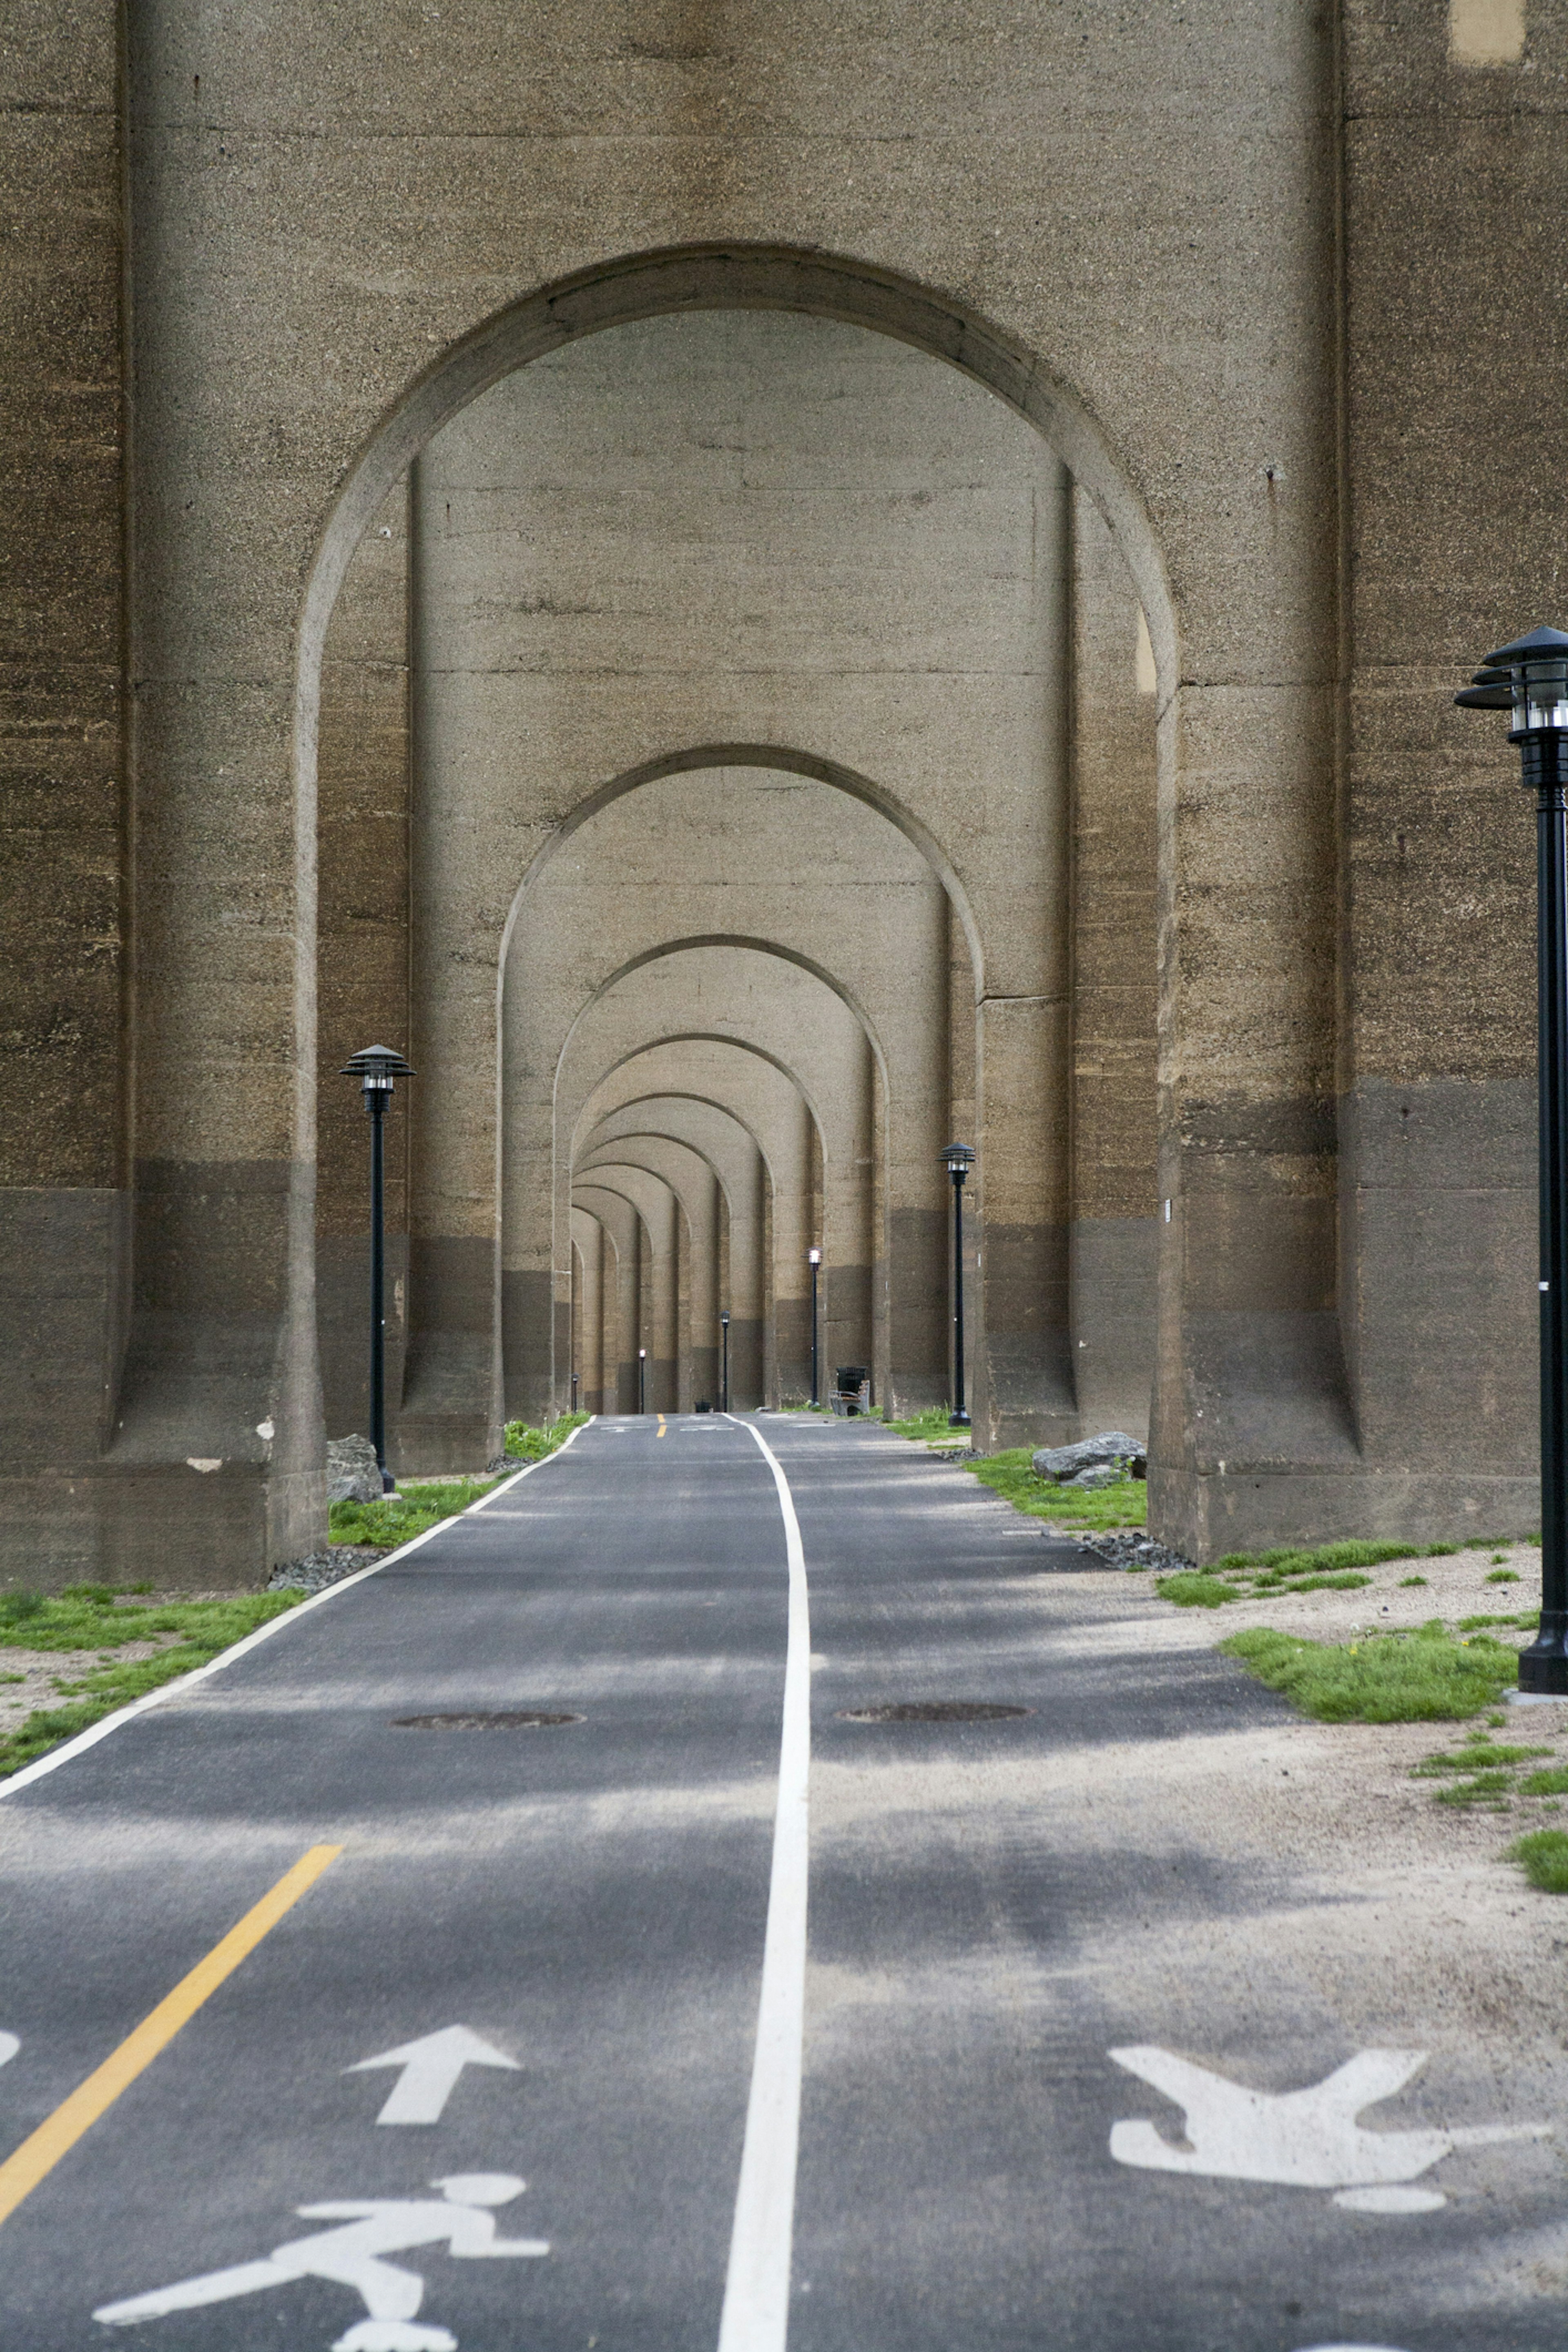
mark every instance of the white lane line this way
{"type": "Point", "coordinates": [756, 2287]}
{"type": "Point", "coordinates": [97, 1732]}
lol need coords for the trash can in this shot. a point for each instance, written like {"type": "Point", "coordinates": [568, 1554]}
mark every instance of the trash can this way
{"type": "Point", "coordinates": [852, 1390]}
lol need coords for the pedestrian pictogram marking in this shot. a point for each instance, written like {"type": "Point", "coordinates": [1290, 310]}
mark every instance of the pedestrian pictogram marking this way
{"type": "Point", "coordinates": [1303, 2139]}
{"type": "Point", "coordinates": [355, 2256]}
{"type": "Point", "coordinates": [42, 2151]}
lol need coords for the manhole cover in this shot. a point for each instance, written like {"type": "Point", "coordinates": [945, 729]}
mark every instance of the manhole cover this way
{"type": "Point", "coordinates": [519, 1720]}
{"type": "Point", "coordinates": [933, 1710]}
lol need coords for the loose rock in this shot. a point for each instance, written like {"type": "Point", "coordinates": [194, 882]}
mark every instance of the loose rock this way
{"type": "Point", "coordinates": [353, 1474]}
{"type": "Point", "coordinates": [1113, 1447]}
{"type": "Point", "coordinates": [1131, 1548]}
{"type": "Point", "coordinates": [320, 1569]}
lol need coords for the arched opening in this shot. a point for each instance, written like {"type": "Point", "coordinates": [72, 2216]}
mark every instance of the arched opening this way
{"type": "Point", "coordinates": [605, 565]}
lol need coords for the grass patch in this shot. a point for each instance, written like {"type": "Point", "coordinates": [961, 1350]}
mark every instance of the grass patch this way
{"type": "Point", "coordinates": [1288, 1568]}
{"type": "Point", "coordinates": [1502, 1576]}
{"type": "Point", "coordinates": [1388, 1678]}
{"type": "Point", "coordinates": [1478, 1750]}
{"type": "Point", "coordinates": [393, 1518]}
{"type": "Point", "coordinates": [1491, 1789]}
{"type": "Point", "coordinates": [1544, 1855]}
{"type": "Point", "coordinates": [94, 1617]}
{"type": "Point", "coordinates": [1406, 1581]}
{"type": "Point", "coordinates": [1192, 1589]}
{"type": "Point", "coordinates": [526, 1444]}
{"type": "Point", "coordinates": [933, 1423]}
{"type": "Point", "coordinates": [1124, 1504]}
{"type": "Point", "coordinates": [1550, 1783]}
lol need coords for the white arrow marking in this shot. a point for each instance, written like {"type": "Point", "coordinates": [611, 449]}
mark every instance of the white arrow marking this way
{"type": "Point", "coordinates": [430, 2072]}
{"type": "Point", "coordinates": [9, 2045]}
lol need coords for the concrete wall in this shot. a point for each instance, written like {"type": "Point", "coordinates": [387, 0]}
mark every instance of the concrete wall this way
{"type": "Point", "coordinates": [1271, 286]}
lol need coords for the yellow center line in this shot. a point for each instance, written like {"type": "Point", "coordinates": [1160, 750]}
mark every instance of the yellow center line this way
{"type": "Point", "coordinates": [42, 2151]}
{"type": "Point", "coordinates": [662, 1431]}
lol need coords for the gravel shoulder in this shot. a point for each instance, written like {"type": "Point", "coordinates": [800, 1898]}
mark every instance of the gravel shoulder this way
{"type": "Point", "coordinates": [1437, 1911]}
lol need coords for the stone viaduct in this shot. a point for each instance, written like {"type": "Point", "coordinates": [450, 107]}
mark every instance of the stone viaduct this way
{"type": "Point", "coordinates": [758, 589]}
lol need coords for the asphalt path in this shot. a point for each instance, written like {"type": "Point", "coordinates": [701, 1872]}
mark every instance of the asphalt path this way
{"type": "Point", "coordinates": [590, 1899]}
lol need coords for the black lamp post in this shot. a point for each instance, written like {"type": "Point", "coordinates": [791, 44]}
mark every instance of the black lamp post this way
{"type": "Point", "coordinates": [642, 1380]}
{"type": "Point", "coordinates": [375, 1069]}
{"type": "Point", "coordinates": [958, 1160]}
{"type": "Point", "coordinates": [814, 1260]}
{"type": "Point", "coordinates": [1530, 678]}
{"type": "Point", "coordinates": [724, 1382]}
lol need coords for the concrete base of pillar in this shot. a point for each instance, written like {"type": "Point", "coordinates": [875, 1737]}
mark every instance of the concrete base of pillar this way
{"type": "Point", "coordinates": [166, 1524]}
{"type": "Point", "coordinates": [1205, 1514]}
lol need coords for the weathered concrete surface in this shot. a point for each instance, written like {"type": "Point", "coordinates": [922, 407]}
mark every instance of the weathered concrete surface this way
{"type": "Point", "coordinates": [695, 1184]}
{"type": "Point", "coordinates": [340, 236]}
{"type": "Point", "coordinates": [655, 1341]}
{"type": "Point", "coordinates": [1113, 1239]}
{"type": "Point", "coordinates": [789, 1021]}
{"type": "Point", "coordinates": [775, 858]}
{"type": "Point", "coordinates": [630, 1101]}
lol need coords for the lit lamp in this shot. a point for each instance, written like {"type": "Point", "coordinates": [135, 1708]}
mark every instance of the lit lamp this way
{"type": "Point", "coordinates": [958, 1160]}
{"type": "Point", "coordinates": [814, 1260]}
{"type": "Point", "coordinates": [375, 1069]}
{"type": "Point", "coordinates": [642, 1380]}
{"type": "Point", "coordinates": [1530, 679]}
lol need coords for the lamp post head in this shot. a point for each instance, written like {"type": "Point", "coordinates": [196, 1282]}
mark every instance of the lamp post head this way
{"type": "Point", "coordinates": [1528, 678]}
{"type": "Point", "coordinates": [641, 1353]}
{"type": "Point", "coordinates": [958, 1160]}
{"type": "Point", "coordinates": [813, 1257]}
{"type": "Point", "coordinates": [724, 1318]}
{"type": "Point", "coordinates": [376, 1067]}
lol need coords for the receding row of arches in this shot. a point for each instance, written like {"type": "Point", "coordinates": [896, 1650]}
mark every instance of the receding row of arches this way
{"type": "Point", "coordinates": [737, 778]}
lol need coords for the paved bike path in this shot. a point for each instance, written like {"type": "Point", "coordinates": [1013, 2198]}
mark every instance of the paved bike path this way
{"type": "Point", "coordinates": [991, 1915]}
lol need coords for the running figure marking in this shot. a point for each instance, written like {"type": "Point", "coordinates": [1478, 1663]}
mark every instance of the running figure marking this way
{"type": "Point", "coordinates": [354, 2256]}
{"type": "Point", "coordinates": [1304, 2139]}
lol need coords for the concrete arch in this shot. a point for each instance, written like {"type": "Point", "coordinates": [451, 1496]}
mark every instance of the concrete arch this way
{"type": "Point", "coordinates": [695, 1184]}
{"type": "Point", "coordinates": [683, 946]}
{"type": "Point", "coordinates": [789, 761]}
{"type": "Point", "coordinates": [722, 1140]}
{"type": "Point", "coordinates": [733, 277]}
{"type": "Point", "coordinates": [990, 748]}
{"type": "Point", "coordinates": [736, 1091]}
{"type": "Point", "coordinates": [664, 1256]}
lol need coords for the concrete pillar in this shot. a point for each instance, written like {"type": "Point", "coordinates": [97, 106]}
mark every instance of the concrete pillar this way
{"type": "Point", "coordinates": [65, 1221]}
{"type": "Point", "coordinates": [621, 1299]}
{"type": "Point", "coordinates": [361, 802]}
{"type": "Point", "coordinates": [452, 1402]}
{"type": "Point", "coordinates": [1114, 1237]}
{"type": "Point", "coordinates": [1456, 522]}
{"type": "Point", "coordinates": [1023, 1389]}
{"type": "Point", "coordinates": [588, 1305]}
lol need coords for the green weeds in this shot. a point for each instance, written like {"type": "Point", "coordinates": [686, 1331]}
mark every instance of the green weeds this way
{"type": "Point", "coordinates": [1094, 1509]}
{"type": "Point", "coordinates": [95, 1617]}
{"type": "Point", "coordinates": [934, 1422]}
{"type": "Point", "coordinates": [1387, 1678]}
{"type": "Point", "coordinates": [395, 1517]}
{"type": "Point", "coordinates": [526, 1444]}
{"type": "Point", "coordinates": [1544, 1855]}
